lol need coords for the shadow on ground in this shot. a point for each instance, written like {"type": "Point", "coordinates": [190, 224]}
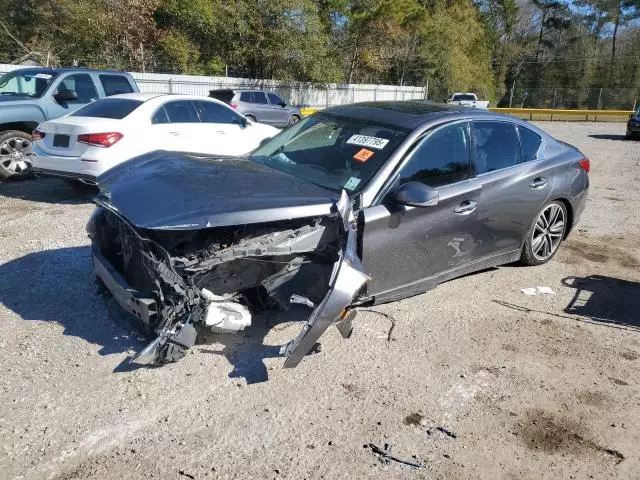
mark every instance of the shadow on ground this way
{"type": "Point", "coordinates": [598, 299]}
{"type": "Point", "coordinates": [607, 136]}
{"type": "Point", "coordinates": [247, 351]}
{"type": "Point", "coordinates": [47, 190]}
{"type": "Point", "coordinates": [605, 299]}
{"type": "Point", "coordinates": [59, 286]}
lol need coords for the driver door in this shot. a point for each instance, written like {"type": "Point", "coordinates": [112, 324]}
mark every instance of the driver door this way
{"type": "Point", "coordinates": [80, 83]}
{"type": "Point", "coordinates": [404, 248]}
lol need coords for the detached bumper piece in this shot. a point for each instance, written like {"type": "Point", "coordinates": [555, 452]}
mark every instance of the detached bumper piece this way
{"type": "Point", "coordinates": [167, 347]}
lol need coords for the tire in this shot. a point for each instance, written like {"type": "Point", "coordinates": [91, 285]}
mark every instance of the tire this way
{"type": "Point", "coordinates": [545, 234]}
{"type": "Point", "coordinates": [251, 117]}
{"type": "Point", "coordinates": [293, 119]}
{"type": "Point", "coordinates": [15, 151]}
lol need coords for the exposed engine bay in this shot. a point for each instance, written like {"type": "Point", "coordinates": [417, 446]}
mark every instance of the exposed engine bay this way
{"type": "Point", "coordinates": [180, 281]}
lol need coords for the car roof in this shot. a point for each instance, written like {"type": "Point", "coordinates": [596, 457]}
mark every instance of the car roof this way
{"type": "Point", "coordinates": [406, 114]}
{"type": "Point", "coordinates": [142, 96]}
{"type": "Point", "coordinates": [52, 70]}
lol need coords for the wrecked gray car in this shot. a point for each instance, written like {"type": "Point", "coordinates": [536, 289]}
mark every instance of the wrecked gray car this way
{"type": "Point", "coordinates": [355, 205]}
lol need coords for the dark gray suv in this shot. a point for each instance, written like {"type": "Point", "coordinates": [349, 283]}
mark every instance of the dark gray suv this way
{"type": "Point", "coordinates": [260, 106]}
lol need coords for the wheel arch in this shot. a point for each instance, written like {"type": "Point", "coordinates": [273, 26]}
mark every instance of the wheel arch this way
{"type": "Point", "coordinates": [569, 208]}
{"type": "Point", "coordinates": [26, 127]}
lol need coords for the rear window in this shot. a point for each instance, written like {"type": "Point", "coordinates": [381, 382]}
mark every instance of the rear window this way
{"type": "Point", "coordinates": [223, 95]}
{"type": "Point", "coordinates": [116, 108]}
{"type": "Point", "coordinates": [464, 98]}
{"type": "Point", "coordinates": [530, 143]}
{"type": "Point", "coordinates": [115, 85]}
{"type": "Point", "coordinates": [253, 97]}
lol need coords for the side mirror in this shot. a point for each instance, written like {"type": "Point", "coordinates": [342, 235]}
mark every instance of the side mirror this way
{"type": "Point", "coordinates": [416, 194]}
{"type": "Point", "coordinates": [283, 104]}
{"type": "Point", "coordinates": [65, 96]}
{"type": "Point", "coordinates": [246, 122]}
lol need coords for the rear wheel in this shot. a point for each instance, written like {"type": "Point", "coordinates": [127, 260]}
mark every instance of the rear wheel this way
{"type": "Point", "coordinates": [15, 154]}
{"type": "Point", "coordinates": [545, 234]}
{"type": "Point", "coordinates": [251, 117]}
{"type": "Point", "coordinates": [293, 119]}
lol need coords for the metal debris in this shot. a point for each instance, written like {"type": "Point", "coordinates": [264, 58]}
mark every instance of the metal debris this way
{"type": "Point", "coordinates": [385, 456]}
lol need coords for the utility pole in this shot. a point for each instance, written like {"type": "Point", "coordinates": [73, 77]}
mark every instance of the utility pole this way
{"type": "Point", "coordinates": [513, 86]}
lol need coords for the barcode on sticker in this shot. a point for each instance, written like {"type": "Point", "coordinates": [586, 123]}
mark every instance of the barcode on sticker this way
{"type": "Point", "coordinates": [367, 141]}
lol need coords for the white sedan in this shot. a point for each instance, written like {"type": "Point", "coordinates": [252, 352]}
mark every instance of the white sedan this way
{"type": "Point", "coordinates": [99, 136]}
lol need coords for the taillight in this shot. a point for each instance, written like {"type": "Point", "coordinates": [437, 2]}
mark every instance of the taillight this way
{"type": "Point", "coordinates": [234, 105]}
{"type": "Point", "coordinates": [585, 164]}
{"type": "Point", "coordinates": [100, 139]}
{"type": "Point", "coordinates": [37, 135]}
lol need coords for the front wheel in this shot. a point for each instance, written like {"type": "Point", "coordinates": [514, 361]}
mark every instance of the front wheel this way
{"type": "Point", "coordinates": [15, 153]}
{"type": "Point", "coordinates": [545, 234]}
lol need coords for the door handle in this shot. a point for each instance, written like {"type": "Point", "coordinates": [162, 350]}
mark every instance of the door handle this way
{"type": "Point", "coordinates": [539, 182]}
{"type": "Point", "coordinates": [175, 134]}
{"type": "Point", "coordinates": [466, 207]}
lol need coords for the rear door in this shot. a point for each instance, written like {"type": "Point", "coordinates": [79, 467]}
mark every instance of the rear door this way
{"type": "Point", "coordinates": [260, 105]}
{"type": "Point", "coordinates": [80, 83]}
{"type": "Point", "coordinates": [222, 131]}
{"type": "Point", "coordinates": [175, 126]}
{"type": "Point", "coordinates": [515, 182]}
{"type": "Point", "coordinates": [279, 114]}
{"type": "Point", "coordinates": [113, 84]}
{"type": "Point", "coordinates": [404, 246]}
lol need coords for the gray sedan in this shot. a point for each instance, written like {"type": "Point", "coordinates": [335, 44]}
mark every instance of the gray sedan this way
{"type": "Point", "coordinates": [356, 205]}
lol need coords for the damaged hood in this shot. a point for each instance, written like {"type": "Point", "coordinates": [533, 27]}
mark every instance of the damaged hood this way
{"type": "Point", "coordinates": [180, 191]}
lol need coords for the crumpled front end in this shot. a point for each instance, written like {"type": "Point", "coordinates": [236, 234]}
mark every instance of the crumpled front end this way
{"type": "Point", "coordinates": [179, 282]}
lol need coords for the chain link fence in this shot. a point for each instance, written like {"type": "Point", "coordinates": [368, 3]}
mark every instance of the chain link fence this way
{"type": "Point", "coordinates": [568, 98]}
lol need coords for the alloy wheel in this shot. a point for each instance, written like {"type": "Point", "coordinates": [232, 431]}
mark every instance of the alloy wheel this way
{"type": "Point", "coordinates": [548, 232]}
{"type": "Point", "coordinates": [14, 155]}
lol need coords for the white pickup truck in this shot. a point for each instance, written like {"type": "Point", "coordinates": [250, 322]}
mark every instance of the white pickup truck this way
{"type": "Point", "coordinates": [467, 100]}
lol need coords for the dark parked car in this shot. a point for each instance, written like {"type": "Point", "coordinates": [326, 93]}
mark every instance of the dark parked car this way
{"type": "Point", "coordinates": [260, 106]}
{"type": "Point", "coordinates": [355, 205]}
{"type": "Point", "coordinates": [633, 125]}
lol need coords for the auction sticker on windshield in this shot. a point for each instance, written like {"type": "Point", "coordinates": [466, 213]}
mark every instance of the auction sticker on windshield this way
{"type": "Point", "coordinates": [363, 155]}
{"type": "Point", "coordinates": [367, 141]}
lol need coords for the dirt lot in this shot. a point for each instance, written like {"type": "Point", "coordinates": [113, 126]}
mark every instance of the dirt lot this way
{"type": "Point", "coordinates": [544, 386]}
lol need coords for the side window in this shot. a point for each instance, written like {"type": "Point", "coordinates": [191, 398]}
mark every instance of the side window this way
{"type": "Point", "coordinates": [442, 158]}
{"type": "Point", "coordinates": [210, 112]}
{"type": "Point", "coordinates": [274, 99]}
{"type": "Point", "coordinates": [497, 145]}
{"type": "Point", "coordinates": [259, 97]}
{"type": "Point", "coordinates": [181, 111]}
{"type": "Point", "coordinates": [246, 97]}
{"type": "Point", "coordinates": [160, 116]}
{"type": "Point", "coordinates": [530, 143]}
{"type": "Point", "coordinates": [115, 84]}
{"type": "Point", "coordinates": [82, 84]}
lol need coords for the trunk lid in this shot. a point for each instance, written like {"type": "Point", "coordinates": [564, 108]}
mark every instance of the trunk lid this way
{"type": "Point", "coordinates": [61, 135]}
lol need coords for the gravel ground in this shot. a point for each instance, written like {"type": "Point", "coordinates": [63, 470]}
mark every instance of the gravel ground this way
{"type": "Point", "coordinates": [540, 386]}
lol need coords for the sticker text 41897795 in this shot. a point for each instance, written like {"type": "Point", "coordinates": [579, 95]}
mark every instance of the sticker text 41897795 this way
{"type": "Point", "coordinates": [367, 141]}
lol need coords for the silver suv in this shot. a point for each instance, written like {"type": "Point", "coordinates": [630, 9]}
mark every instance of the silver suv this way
{"type": "Point", "coordinates": [260, 106]}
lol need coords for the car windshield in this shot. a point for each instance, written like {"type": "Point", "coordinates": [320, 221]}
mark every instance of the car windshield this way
{"type": "Point", "coordinates": [331, 151]}
{"type": "Point", "coordinates": [26, 83]}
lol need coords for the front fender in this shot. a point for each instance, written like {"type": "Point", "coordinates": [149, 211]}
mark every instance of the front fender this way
{"type": "Point", "coordinates": [347, 279]}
